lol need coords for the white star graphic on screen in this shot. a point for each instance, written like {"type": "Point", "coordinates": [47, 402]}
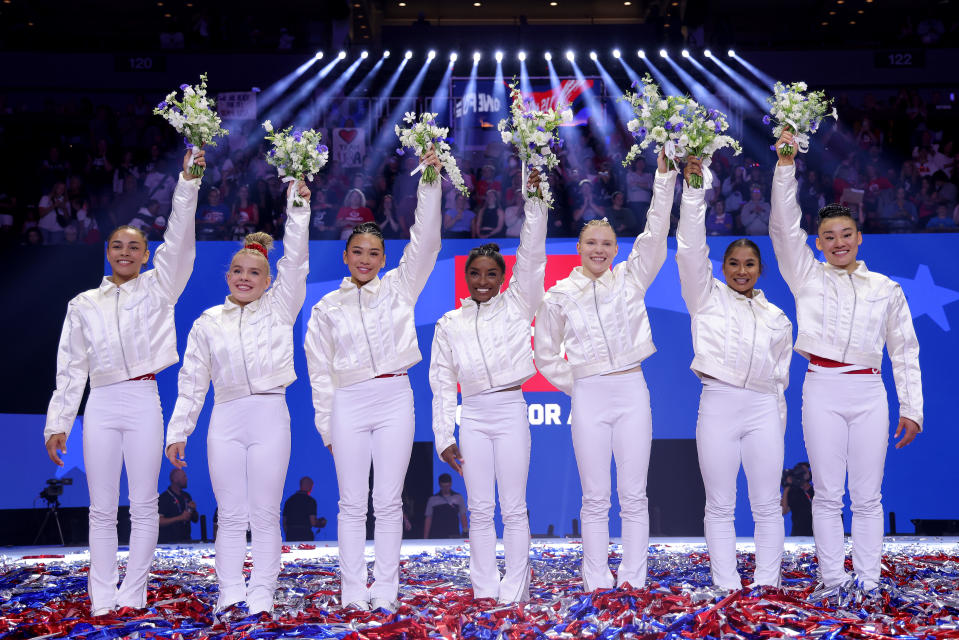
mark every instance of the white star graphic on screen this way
{"type": "Point", "coordinates": [926, 297]}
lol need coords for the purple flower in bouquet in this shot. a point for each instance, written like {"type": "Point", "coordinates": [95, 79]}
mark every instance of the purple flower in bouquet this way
{"type": "Point", "coordinates": [183, 87]}
{"type": "Point", "coordinates": [766, 119]}
{"type": "Point", "coordinates": [399, 151]}
{"type": "Point", "coordinates": [642, 132]}
{"type": "Point", "coordinates": [322, 148]}
{"type": "Point", "coordinates": [162, 105]}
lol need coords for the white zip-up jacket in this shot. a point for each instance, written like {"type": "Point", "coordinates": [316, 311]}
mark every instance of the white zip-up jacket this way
{"type": "Point", "coordinates": [744, 342]}
{"type": "Point", "coordinates": [846, 317]}
{"type": "Point", "coordinates": [358, 333]}
{"type": "Point", "coordinates": [114, 333]}
{"type": "Point", "coordinates": [602, 324]}
{"type": "Point", "coordinates": [245, 350]}
{"type": "Point", "coordinates": [487, 346]}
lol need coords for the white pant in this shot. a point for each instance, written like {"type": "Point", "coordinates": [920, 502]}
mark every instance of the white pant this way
{"type": "Point", "coordinates": [123, 424]}
{"type": "Point", "coordinates": [846, 426]}
{"type": "Point", "coordinates": [611, 418]}
{"type": "Point", "coordinates": [371, 420]}
{"type": "Point", "coordinates": [248, 446]}
{"type": "Point", "coordinates": [495, 443]}
{"type": "Point", "coordinates": [736, 425]}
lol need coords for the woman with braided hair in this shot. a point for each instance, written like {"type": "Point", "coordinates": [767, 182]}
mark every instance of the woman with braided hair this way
{"type": "Point", "coordinates": [245, 346]}
{"type": "Point", "coordinates": [484, 347]}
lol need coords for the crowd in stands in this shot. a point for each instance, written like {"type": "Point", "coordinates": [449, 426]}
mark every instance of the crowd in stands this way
{"type": "Point", "coordinates": [892, 159]}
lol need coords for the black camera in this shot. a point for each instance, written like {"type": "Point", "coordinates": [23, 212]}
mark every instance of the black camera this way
{"type": "Point", "coordinates": [54, 488]}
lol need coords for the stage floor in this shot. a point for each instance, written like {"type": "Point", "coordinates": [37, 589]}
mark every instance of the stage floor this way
{"type": "Point", "coordinates": [43, 594]}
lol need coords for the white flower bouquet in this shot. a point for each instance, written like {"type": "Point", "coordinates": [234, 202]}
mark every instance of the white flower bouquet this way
{"type": "Point", "coordinates": [193, 116]}
{"type": "Point", "coordinates": [800, 111]}
{"type": "Point", "coordinates": [535, 134]}
{"type": "Point", "coordinates": [703, 136]}
{"type": "Point", "coordinates": [422, 134]}
{"type": "Point", "coordinates": [297, 154]}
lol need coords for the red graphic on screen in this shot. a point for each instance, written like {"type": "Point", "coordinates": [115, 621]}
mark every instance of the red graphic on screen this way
{"type": "Point", "coordinates": [557, 268]}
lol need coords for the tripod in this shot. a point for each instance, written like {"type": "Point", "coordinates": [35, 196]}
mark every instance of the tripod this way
{"type": "Point", "coordinates": [51, 511]}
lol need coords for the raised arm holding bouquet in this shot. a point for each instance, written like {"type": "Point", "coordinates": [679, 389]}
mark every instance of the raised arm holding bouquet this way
{"type": "Point", "coordinates": [297, 154]}
{"type": "Point", "coordinates": [193, 117]}
{"type": "Point", "coordinates": [798, 111]}
{"type": "Point", "coordinates": [535, 134]}
{"type": "Point", "coordinates": [423, 135]}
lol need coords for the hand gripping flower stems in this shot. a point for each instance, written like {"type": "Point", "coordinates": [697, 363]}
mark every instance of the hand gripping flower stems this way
{"type": "Point", "coordinates": [297, 154]}
{"type": "Point", "coordinates": [535, 134]}
{"type": "Point", "coordinates": [679, 125]}
{"type": "Point", "coordinates": [193, 117]}
{"type": "Point", "coordinates": [422, 135]}
{"type": "Point", "coordinates": [798, 111]}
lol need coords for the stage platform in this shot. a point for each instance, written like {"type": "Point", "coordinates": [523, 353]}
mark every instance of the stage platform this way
{"type": "Point", "coordinates": [43, 594]}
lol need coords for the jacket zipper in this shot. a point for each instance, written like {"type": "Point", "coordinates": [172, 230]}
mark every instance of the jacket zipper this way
{"type": "Point", "coordinates": [369, 345]}
{"type": "Point", "coordinates": [243, 353]}
{"type": "Point", "coordinates": [752, 345]}
{"type": "Point", "coordinates": [119, 335]}
{"type": "Point", "coordinates": [609, 352]}
{"type": "Point", "coordinates": [480, 343]}
{"type": "Point", "coordinates": [852, 320]}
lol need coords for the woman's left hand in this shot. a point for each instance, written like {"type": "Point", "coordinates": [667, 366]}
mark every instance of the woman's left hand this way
{"type": "Point", "coordinates": [911, 430]}
{"type": "Point", "coordinates": [533, 181]}
{"type": "Point", "coordinates": [301, 189]}
{"type": "Point", "coordinates": [694, 166]}
{"type": "Point", "coordinates": [661, 165]}
{"type": "Point", "coordinates": [432, 159]}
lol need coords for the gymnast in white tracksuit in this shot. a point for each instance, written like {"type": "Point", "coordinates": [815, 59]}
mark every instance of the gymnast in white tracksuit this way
{"type": "Point", "coordinates": [484, 346]}
{"type": "Point", "coordinates": [598, 317]}
{"type": "Point", "coordinates": [360, 341]}
{"type": "Point", "coordinates": [742, 345]}
{"type": "Point", "coordinates": [245, 347]}
{"type": "Point", "coordinates": [121, 335]}
{"type": "Point", "coordinates": [845, 314]}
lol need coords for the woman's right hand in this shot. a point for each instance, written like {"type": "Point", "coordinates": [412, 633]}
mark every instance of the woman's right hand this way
{"type": "Point", "coordinates": [198, 159]}
{"type": "Point", "coordinates": [176, 454]}
{"type": "Point", "coordinates": [532, 182]}
{"type": "Point", "coordinates": [694, 166]}
{"type": "Point", "coordinates": [57, 443]}
{"type": "Point", "coordinates": [786, 138]}
{"type": "Point", "coordinates": [451, 455]}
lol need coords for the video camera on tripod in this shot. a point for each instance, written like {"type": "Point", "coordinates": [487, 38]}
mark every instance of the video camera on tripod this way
{"type": "Point", "coordinates": [54, 489]}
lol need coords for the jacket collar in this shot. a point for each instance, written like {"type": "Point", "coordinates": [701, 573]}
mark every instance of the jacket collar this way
{"type": "Point", "coordinates": [107, 287]}
{"type": "Point", "coordinates": [758, 296]}
{"type": "Point", "coordinates": [860, 270]}
{"type": "Point", "coordinates": [494, 303]}
{"type": "Point", "coordinates": [581, 280]}
{"type": "Point", "coordinates": [372, 287]}
{"type": "Point", "coordinates": [250, 307]}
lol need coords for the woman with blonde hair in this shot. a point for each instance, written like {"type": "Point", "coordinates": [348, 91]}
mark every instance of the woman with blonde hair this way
{"type": "Point", "coordinates": [245, 346]}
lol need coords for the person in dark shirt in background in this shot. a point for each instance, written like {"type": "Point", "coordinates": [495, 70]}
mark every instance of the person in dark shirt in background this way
{"type": "Point", "coordinates": [445, 512]}
{"type": "Point", "coordinates": [797, 499]}
{"type": "Point", "coordinates": [177, 510]}
{"type": "Point", "coordinates": [299, 513]}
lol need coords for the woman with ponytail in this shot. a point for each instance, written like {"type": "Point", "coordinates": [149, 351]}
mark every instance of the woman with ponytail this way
{"type": "Point", "coordinates": [245, 347]}
{"type": "Point", "coordinates": [121, 335]}
{"type": "Point", "coordinates": [360, 341]}
{"type": "Point", "coordinates": [597, 316]}
{"type": "Point", "coordinates": [743, 346]}
{"type": "Point", "coordinates": [484, 347]}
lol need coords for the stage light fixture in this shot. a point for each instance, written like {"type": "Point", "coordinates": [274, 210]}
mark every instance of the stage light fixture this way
{"type": "Point", "coordinates": [499, 56]}
{"type": "Point", "coordinates": [453, 57]}
{"type": "Point", "coordinates": [617, 54]}
{"type": "Point", "coordinates": [341, 55]}
{"type": "Point", "coordinates": [685, 53]}
{"type": "Point", "coordinates": [365, 55]}
{"type": "Point", "coordinates": [431, 55]}
{"type": "Point", "coordinates": [707, 53]}
{"type": "Point", "coordinates": [476, 56]}
{"type": "Point", "coordinates": [408, 55]}
{"type": "Point", "coordinates": [731, 53]}
{"type": "Point", "coordinates": [641, 53]}
{"type": "Point", "coordinates": [663, 53]}
{"type": "Point", "coordinates": [570, 56]}
{"type": "Point", "coordinates": [319, 55]}
{"type": "Point", "coordinates": [521, 55]}
{"type": "Point", "coordinates": [386, 54]}
{"type": "Point", "coordinates": [548, 56]}
{"type": "Point", "coordinates": [592, 56]}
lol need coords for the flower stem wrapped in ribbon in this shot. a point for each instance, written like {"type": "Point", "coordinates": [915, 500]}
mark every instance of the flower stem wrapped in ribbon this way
{"type": "Point", "coordinates": [297, 154]}
{"type": "Point", "coordinates": [193, 117]}
{"type": "Point", "coordinates": [535, 134]}
{"type": "Point", "coordinates": [423, 134]}
{"type": "Point", "coordinates": [794, 108]}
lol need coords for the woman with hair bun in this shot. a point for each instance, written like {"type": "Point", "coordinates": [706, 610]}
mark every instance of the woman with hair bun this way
{"type": "Point", "coordinates": [245, 347]}
{"type": "Point", "coordinates": [743, 346]}
{"type": "Point", "coordinates": [121, 335]}
{"type": "Point", "coordinates": [597, 316]}
{"type": "Point", "coordinates": [484, 347]}
{"type": "Point", "coordinates": [846, 314]}
{"type": "Point", "coordinates": [360, 341]}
